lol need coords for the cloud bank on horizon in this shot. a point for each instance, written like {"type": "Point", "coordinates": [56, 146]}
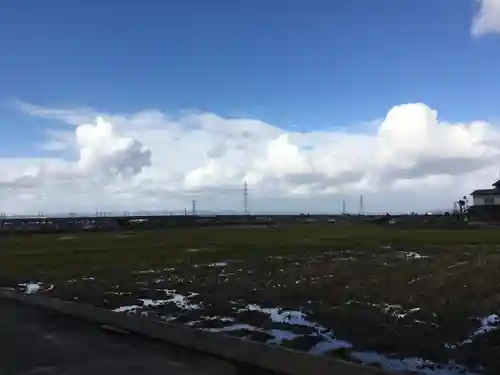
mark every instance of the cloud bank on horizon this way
{"type": "Point", "coordinates": [410, 160]}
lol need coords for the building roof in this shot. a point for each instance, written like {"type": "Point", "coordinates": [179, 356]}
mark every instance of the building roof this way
{"type": "Point", "coordinates": [495, 191]}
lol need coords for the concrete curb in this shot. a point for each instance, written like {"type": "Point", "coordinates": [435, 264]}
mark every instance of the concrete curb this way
{"type": "Point", "coordinates": [226, 347]}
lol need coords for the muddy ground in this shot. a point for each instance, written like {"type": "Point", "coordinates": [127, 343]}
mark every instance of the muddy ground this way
{"type": "Point", "coordinates": [421, 307]}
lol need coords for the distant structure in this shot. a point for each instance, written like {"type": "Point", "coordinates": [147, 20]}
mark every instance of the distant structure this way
{"type": "Point", "coordinates": [245, 197]}
{"type": "Point", "coordinates": [486, 204]}
{"type": "Point", "coordinates": [194, 207]}
{"type": "Point", "coordinates": [361, 208]}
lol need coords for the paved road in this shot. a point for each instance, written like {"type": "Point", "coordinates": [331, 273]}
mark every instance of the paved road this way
{"type": "Point", "coordinates": [34, 341]}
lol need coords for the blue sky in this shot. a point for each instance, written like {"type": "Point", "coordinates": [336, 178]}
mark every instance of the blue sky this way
{"type": "Point", "coordinates": [293, 63]}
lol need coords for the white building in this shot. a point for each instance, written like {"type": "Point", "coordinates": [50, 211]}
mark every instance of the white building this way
{"type": "Point", "coordinates": [487, 197]}
{"type": "Point", "coordinates": [486, 204]}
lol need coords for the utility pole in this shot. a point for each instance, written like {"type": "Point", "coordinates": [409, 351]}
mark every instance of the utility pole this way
{"type": "Point", "coordinates": [361, 205]}
{"type": "Point", "coordinates": [245, 196]}
{"type": "Point", "coordinates": [194, 207]}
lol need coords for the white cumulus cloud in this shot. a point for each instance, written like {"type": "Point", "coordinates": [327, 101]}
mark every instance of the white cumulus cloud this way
{"type": "Point", "coordinates": [410, 160]}
{"type": "Point", "coordinates": [487, 19]}
{"type": "Point", "coordinates": [102, 150]}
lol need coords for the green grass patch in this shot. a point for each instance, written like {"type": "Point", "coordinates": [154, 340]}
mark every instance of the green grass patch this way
{"type": "Point", "coordinates": [30, 255]}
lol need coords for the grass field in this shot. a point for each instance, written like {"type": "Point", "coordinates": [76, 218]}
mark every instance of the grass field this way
{"type": "Point", "coordinates": [367, 293]}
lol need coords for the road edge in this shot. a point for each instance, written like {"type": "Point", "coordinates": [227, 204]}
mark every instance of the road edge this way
{"type": "Point", "coordinates": [225, 347]}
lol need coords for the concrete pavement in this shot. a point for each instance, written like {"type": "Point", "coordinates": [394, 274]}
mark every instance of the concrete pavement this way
{"type": "Point", "coordinates": [36, 341]}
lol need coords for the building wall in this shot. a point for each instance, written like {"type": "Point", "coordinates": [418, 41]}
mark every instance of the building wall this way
{"type": "Point", "coordinates": [486, 200]}
{"type": "Point", "coordinates": [485, 213]}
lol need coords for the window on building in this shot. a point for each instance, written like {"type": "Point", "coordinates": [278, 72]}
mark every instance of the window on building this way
{"type": "Point", "coordinates": [489, 200]}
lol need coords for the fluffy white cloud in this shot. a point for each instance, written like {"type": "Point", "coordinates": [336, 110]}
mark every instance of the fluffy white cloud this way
{"type": "Point", "coordinates": [149, 160]}
{"type": "Point", "coordinates": [101, 150]}
{"type": "Point", "coordinates": [487, 19]}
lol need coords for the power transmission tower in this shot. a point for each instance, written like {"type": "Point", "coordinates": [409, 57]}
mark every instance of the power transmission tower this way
{"type": "Point", "coordinates": [245, 196]}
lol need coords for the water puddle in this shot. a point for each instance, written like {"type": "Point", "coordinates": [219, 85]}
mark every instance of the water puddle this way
{"type": "Point", "coordinates": [281, 316]}
{"type": "Point", "coordinates": [177, 299]}
{"type": "Point", "coordinates": [30, 288]}
{"type": "Point", "coordinates": [298, 319]}
{"type": "Point", "coordinates": [34, 287]}
{"type": "Point", "coordinates": [396, 311]}
{"type": "Point", "coordinates": [234, 327]}
{"type": "Point", "coordinates": [409, 365]}
{"type": "Point", "coordinates": [218, 264]}
{"type": "Point", "coordinates": [182, 301]}
{"type": "Point", "coordinates": [413, 255]}
{"type": "Point", "coordinates": [328, 341]}
{"type": "Point", "coordinates": [278, 336]}
{"type": "Point", "coordinates": [487, 324]}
